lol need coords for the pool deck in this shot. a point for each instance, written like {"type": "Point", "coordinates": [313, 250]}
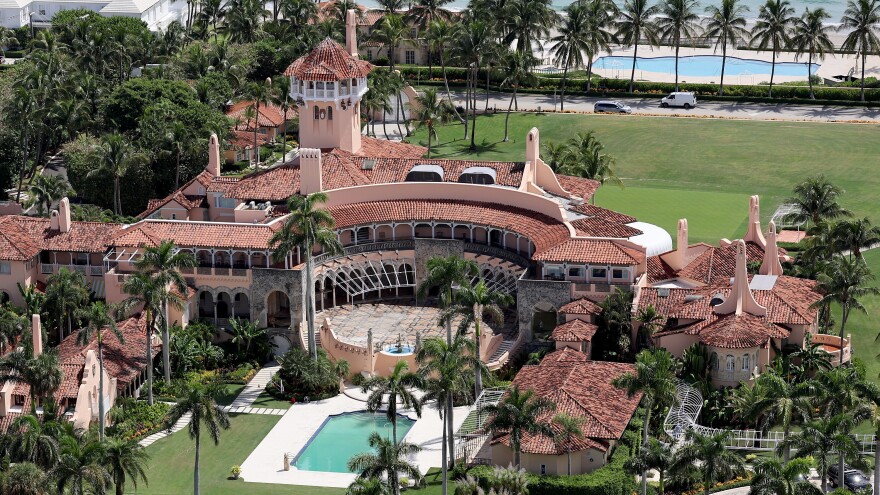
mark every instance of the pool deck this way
{"type": "Point", "coordinates": [293, 431]}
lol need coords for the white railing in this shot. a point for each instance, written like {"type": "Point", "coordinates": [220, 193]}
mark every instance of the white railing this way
{"type": "Point", "coordinates": [471, 436]}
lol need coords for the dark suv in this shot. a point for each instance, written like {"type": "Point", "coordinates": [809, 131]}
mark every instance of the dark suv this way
{"type": "Point", "coordinates": [853, 479]}
{"type": "Point", "coordinates": [611, 107]}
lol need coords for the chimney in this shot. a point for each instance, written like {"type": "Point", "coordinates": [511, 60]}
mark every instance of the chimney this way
{"type": "Point", "coordinates": [741, 298]}
{"type": "Point", "coordinates": [53, 220]}
{"type": "Point", "coordinates": [771, 264]}
{"type": "Point", "coordinates": [64, 215]}
{"type": "Point", "coordinates": [533, 146]}
{"type": "Point", "coordinates": [310, 170]}
{"type": "Point", "coordinates": [351, 44]}
{"type": "Point", "coordinates": [753, 234]}
{"type": "Point", "coordinates": [37, 334]}
{"type": "Point", "coordinates": [213, 167]}
{"type": "Point", "coordinates": [679, 258]}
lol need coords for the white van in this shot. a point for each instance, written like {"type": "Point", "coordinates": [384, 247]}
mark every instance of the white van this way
{"type": "Point", "coordinates": [679, 99]}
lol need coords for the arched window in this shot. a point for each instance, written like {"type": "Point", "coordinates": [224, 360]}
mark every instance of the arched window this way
{"type": "Point", "coordinates": [731, 363]}
{"type": "Point", "coordinates": [746, 364]}
{"type": "Point", "coordinates": [329, 113]}
{"type": "Point", "coordinates": [317, 113]}
{"type": "Point", "coordinates": [713, 361]}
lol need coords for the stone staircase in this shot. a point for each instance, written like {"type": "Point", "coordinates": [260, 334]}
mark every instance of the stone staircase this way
{"type": "Point", "coordinates": [304, 337]}
{"type": "Point", "coordinates": [255, 387]}
{"type": "Point", "coordinates": [501, 355]}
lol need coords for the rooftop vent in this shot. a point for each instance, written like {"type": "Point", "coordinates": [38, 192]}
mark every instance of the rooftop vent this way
{"type": "Point", "coordinates": [716, 300]}
{"type": "Point", "coordinates": [663, 292]}
{"type": "Point", "coordinates": [368, 164]}
{"type": "Point", "coordinates": [692, 297]}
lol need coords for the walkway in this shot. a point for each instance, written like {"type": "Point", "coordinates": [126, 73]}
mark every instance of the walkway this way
{"type": "Point", "coordinates": [181, 423]}
{"type": "Point", "coordinates": [254, 388]}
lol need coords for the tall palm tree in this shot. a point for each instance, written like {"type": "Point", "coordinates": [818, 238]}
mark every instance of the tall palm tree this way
{"type": "Point", "coordinates": [526, 22]}
{"type": "Point", "coordinates": [429, 111]}
{"type": "Point", "coordinates": [390, 32]}
{"type": "Point", "coordinates": [198, 401]}
{"type": "Point", "coordinates": [97, 317]}
{"type": "Point", "coordinates": [599, 19]}
{"type": "Point", "coordinates": [177, 137]}
{"type": "Point", "coordinates": [846, 282]}
{"type": "Point", "coordinates": [727, 24]}
{"type": "Point", "coordinates": [654, 456]}
{"type": "Point", "coordinates": [81, 465]}
{"type": "Point", "coordinates": [677, 21]}
{"type": "Point", "coordinates": [397, 389]}
{"type": "Point", "coordinates": [518, 72]}
{"type": "Point", "coordinates": [710, 451]}
{"type": "Point", "coordinates": [816, 201]}
{"type": "Point", "coordinates": [567, 430]}
{"type": "Point", "coordinates": [389, 460]}
{"type": "Point", "coordinates": [445, 368]}
{"type": "Point", "coordinates": [473, 304]}
{"type": "Point", "coordinates": [145, 293]}
{"type": "Point", "coordinates": [782, 401]}
{"type": "Point", "coordinates": [378, 98]}
{"type": "Point", "coordinates": [570, 45]}
{"type": "Point", "coordinates": [126, 461]}
{"type": "Point", "coordinates": [46, 190]}
{"type": "Point", "coordinates": [773, 30]}
{"type": "Point", "coordinates": [116, 156]}
{"type": "Point", "coordinates": [66, 293]}
{"type": "Point", "coordinates": [305, 228]}
{"type": "Point", "coordinates": [164, 262]}
{"type": "Point", "coordinates": [242, 22]}
{"type": "Point", "coordinates": [476, 41]}
{"type": "Point", "coordinates": [774, 477]}
{"type": "Point", "coordinates": [822, 438]}
{"type": "Point", "coordinates": [259, 93]}
{"type": "Point", "coordinates": [654, 378]}
{"type": "Point", "coordinates": [636, 23]}
{"type": "Point", "coordinates": [855, 235]}
{"type": "Point", "coordinates": [810, 36]}
{"type": "Point", "coordinates": [861, 19]}
{"type": "Point", "coordinates": [518, 414]}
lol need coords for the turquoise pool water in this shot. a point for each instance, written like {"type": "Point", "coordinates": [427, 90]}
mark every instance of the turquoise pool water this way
{"type": "Point", "coordinates": [344, 435]}
{"type": "Point", "coordinates": [703, 66]}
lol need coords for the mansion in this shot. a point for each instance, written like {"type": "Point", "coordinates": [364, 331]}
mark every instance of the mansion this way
{"type": "Point", "coordinates": [532, 232]}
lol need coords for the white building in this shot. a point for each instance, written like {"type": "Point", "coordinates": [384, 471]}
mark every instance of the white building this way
{"type": "Point", "coordinates": [158, 14]}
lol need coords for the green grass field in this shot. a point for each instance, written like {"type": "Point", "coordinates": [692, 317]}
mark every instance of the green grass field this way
{"type": "Point", "coordinates": [266, 400]}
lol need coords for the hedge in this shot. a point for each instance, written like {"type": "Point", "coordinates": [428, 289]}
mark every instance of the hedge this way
{"type": "Point", "coordinates": [647, 89]}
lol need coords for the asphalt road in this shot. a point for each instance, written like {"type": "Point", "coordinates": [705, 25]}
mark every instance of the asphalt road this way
{"type": "Point", "coordinates": [651, 106]}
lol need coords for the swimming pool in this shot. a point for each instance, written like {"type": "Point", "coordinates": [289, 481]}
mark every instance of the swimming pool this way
{"type": "Point", "coordinates": [343, 435]}
{"type": "Point", "coordinates": [703, 66]}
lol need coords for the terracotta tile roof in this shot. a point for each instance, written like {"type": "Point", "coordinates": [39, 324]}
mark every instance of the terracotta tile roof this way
{"type": "Point", "coordinates": [716, 265]}
{"type": "Point", "coordinates": [659, 270]}
{"type": "Point", "coordinates": [544, 231]}
{"type": "Point", "coordinates": [23, 237]}
{"type": "Point", "coordinates": [582, 389]}
{"type": "Point", "coordinates": [275, 184]}
{"type": "Point", "coordinates": [597, 227]}
{"type": "Point", "coordinates": [602, 213]}
{"type": "Point", "coordinates": [269, 116]}
{"type": "Point", "coordinates": [244, 140]}
{"type": "Point", "coordinates": [386, 170]}
{"type": "Point", "coordinates": [195, 234]}
{"type": "Point", "coordinates": [71, 380]}
{"type": "Point", "coordinates": [741, 331]}
{"type": "Point", "coordinates": [328, 62]}
{"type": "Point", "coordinates": [204, 178]}
{"type": "Point", "coordinates": [574, 331]}
{"type": "Point", "coordinates": [591, 251]}
{"type": "Point", "coordinates": [584, 188]}
{"type": "Point", "coordinates": [222, 184]}
{"type": "Point", "coordinates": [581, 306]}
{"type": "Point", "coordinates": [327, 10]}
{"type": "Point", "coordinates": [375, 148]}
{"type": "Point", "coordinates": [565, 355]}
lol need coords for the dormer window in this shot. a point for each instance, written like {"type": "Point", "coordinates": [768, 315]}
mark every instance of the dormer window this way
{"type": "Point", "coordinates": [425, 173]}
{"type": "Point", "coordinates": [477, 175]}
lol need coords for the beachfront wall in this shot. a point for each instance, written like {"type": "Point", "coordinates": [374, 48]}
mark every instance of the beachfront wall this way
{"type": "Point", "coordinates": [584, 461]}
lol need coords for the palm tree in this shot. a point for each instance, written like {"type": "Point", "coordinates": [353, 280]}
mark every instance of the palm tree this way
{"type": "Point", "coordinates": [860, 19]}
{"type": "Point", "coordinates": [398, 387]}
{"type": "Point", "coordinates": [164, 263]}
{"type": "Point", "coordinates": [378, 98]}
{"type": "Point", "coordinates": [783, 400]}
{"type": "Point", "coordinates": [66, 293]}
{"type": "Point", "coordinates": [816, 200]}
{"type": "Point", "coordinates": [773, 30]}
{"type": "Point", "coordinates": [473, 304]}
{"type": "Point", "coordinates": [439, 37]}
{"type": "Point", "coordinates": [855, 235]}
{"type": "Point", "coordinates": [368, 486]}
{"type": "Point", "coordinates": [519, 413]}
{"type": "Point", "coordinates": [46, 190]}
{"type": "Point", "coordinates": [655, 456]}
{"type": "Point", "coordinates": [177, 136]}
{"type": "Point", "coordinates": [710, 451]}
{"type": "Point", "coordinates": [727, 24]}
{"type": "Point", "coordinates": [306, 227]}
{"type": "Point", "coordinates": [567, 430]}
{"type": "Point", "coordinates": [599, 18]}
{"type": "Point", "coordinates": [146, 293]}
{"type": "Point", "coordinates": [26, 478]}
{"type": "Point", "coordinates": [678, 21]}
{"type": "Point", "coordinates": [773, 477]}
{"type": "Point", "coordinates": [649, 321]}
{"type": "Point", "coordinates": [428, 111]}
{"type": "Point", "coordinates": [258, 93]}
{"type": "Point", "coordinates": [116, 156]}
{"type": "Point", "coordinates": [424, 12]}
{"type": "Point", "coordinates": [810, 36]}
{"type": "Point", "coordinates": [242, 20]}
{"type": "Point", "coordinates": [654, 377]}
{"type": "Point", "coordinates": [518, 72]}
{"type": "Point", "coordinates": [97, 317]}
{"type": "Point", "coordinates": [390, 459]}
{"type": "Point", "coordinates": [585, 157]}
{"type": "Point", "coordinates": [527, 22]}
{"type": "Point", "coordinates": [846, 282]}
{"type": "Point", "coordinates": [12, 326]}
{"type": "Point", "coordinates": [125, 460]}
{"type": "Point", "coordinates": [812, 357]}
{"type": "Point", "coordinates": [198, 402]}
{"type": "Point", "coordinates": [445, 369]}
{"type": "Point", "coordinates": [211, 14]}
{"type": "Point", "coordinates": [390, 32]}
{"type": "Point", "coordinates": [821, 438]}
{"type": "Point", "coordinates": [81, 464]}
{"type": "Point", "coordinates": [636, 23]}
{"type": "Point", "coordinates": [32, 441]}
{"type": "Point", "coordinates": [570, 45]}
{"type": "Point", "coordinates": [244, 332]}
{"type": "Point", "coordinates": [476, 41]}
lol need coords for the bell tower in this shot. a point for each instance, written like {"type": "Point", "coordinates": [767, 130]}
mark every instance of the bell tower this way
{"type": "Point", "coordinates": [327, 86]}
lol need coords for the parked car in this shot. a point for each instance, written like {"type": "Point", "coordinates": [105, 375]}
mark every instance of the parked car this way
{"type": "Point", "coordinates": [680, 99]}
{"type": "Point", "coordinates": [853, 479]}
{"type": "Point", "coordinates": [611, 107]}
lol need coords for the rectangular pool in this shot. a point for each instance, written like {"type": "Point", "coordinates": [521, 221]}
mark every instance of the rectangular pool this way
{"type": "Point", "coordinates": [344, 435]}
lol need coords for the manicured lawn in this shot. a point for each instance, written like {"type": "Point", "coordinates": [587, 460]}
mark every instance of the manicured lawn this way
{"type": "Point", "coordinates": [266, 400]}
{"type": "Point", "coordinates": [230, 392]}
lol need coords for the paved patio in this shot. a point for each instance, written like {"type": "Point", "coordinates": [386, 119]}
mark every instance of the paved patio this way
{"type": "Point", "coordinates": [265, 464]}
{"type": "Point", "coordinates": [389, 323]}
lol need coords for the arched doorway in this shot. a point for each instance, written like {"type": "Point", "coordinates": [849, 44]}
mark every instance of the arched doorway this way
{"type": "Point", "coordinates": [544, 320]}
{"type": "Point", "coordinates": [224, 305]}
{"type": "Point", "coordinates": [278, 309]}
{"type": "Point", "coordinates": [206, 305]}
{"type": "Point", "coordinates": [241, 306]}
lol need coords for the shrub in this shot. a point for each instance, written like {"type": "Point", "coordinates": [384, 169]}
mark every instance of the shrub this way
{"type": "Point", "coordinates": [235, 472]}
{"type": "Point", "coordinates": [242, 374]}
{"type": "Point", "coordinates": [134, 419]}
{"type": "Point", "coordinates": [304, 377]}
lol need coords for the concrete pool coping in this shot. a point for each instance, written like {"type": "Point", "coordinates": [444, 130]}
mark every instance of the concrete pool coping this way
{"type": "Point", "coordinates": [294, 430]}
